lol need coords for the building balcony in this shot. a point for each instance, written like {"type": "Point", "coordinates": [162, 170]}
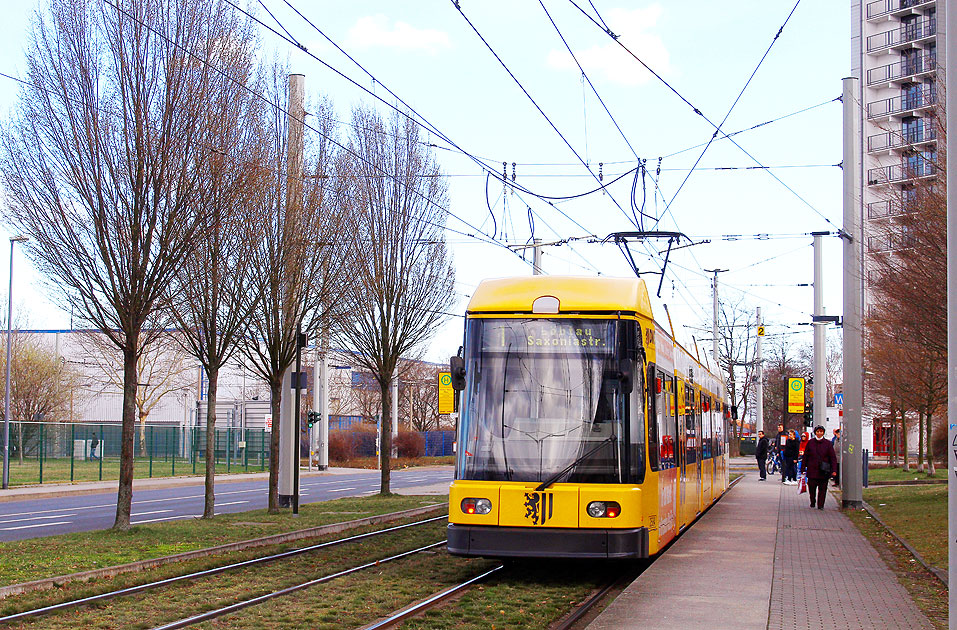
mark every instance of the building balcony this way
{"type": "Point", "coordinates": [889, 242]}
{"type": "Point", "coordinates": [903, 36]}
{"type": "Point", "coordinates": [889, 8]}
{"type": "Point", "coordinates": [906, 138]}
{"type": "Point", "coordinates": [902, 71]}
{"type": "Point", "coordinates": [905, 105]}
{"type": "Point", "coordinates": [900, 172]}
{"type": "Point", "coordinates": [885, 209]}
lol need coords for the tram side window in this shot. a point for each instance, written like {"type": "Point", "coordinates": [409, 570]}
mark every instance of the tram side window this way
{"type": "Point", "coordinates": [654, 403]}
{"type": "Point", "coordinates": [691, 435]}
{"type": "Point", "coordinates": [706, 427]}
{"type": "Point", "coordinates": [665, 413]}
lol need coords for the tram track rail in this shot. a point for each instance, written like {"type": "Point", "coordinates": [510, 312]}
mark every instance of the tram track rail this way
{"type": "Point", "coordinates": [149, 586]}
{"type": "Point", "coordinates": [225, 610]}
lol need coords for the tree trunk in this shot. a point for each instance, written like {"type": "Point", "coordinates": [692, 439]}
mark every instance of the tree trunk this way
{"type": "Point", "coordinates": [895, 440]}
{"type": "Point", "coordinates": [904, 448]}
{"type": "Point", "coordinates": [142, 417]}
{"type": "Point", "coordinates": [211, 392]}
{"type": "Point", "coordinates": [275, 388]}
{"type": "Point", "coordinates": [930, 444]}
{"type": "Point", "coordinates": [920, 440]}
{"type": "Point", "coordinates": [385, 439]}
{"type": "Point", "coordinates": [124, 494]}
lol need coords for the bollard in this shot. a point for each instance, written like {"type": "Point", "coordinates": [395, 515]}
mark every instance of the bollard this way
{"type": "Point", "coordinates": [864, 458]}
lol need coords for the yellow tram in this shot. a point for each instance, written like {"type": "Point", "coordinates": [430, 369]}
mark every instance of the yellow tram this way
{"type": "Point", "coordinates": [585, 430]}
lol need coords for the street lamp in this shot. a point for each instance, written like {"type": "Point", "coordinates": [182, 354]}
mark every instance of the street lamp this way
{"type": "Point", "coordinates": [6, 394]}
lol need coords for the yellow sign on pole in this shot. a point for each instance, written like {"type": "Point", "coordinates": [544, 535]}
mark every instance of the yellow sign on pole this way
{"type": "Point", "coordinates": [446, 393]}
{"type": "Point", "coordinates": [795, 395]}
{"type": "Point", "coordinates": [760, 331]}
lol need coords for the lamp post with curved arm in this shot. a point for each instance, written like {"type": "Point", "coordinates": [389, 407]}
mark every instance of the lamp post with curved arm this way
{"type": "Point", "coordinates": [6, 391]}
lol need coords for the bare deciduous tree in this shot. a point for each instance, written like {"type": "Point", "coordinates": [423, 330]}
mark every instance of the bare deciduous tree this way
{"type": "Point", "coordinates": [102, 164]}
{"type": "Point", "coordinates": [213, 295]}
{"type": "Point", "coordinates": [403, 275]}
{"type": "Point", "coordinates": [298, 263]}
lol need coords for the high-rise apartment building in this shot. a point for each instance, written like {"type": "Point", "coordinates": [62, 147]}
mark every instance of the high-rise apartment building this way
{"type": "Point", "coordinates": [897, 48]}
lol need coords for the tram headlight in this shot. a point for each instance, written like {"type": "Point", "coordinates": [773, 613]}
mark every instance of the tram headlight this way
{"type": "Point", "coordinates": [603, 509]}
{"type": "Point", "coordinates": [476, 506]}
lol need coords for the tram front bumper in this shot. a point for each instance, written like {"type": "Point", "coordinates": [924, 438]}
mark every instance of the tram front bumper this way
{"type": "Point", "coordinates": [544, 542]}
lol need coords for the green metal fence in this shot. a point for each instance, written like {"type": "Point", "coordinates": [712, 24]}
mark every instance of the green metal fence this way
{"type": "Point", "coordinates": [43, 452]}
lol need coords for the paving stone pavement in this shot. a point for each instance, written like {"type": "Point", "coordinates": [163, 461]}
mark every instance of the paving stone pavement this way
{"type": "Point", "coordinates": [827, 574]}
{"type": "Point", "coordinates": [761, 559]}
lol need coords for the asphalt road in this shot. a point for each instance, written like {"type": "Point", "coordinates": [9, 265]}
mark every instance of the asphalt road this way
{"type": "Point", "coordinates": [49, 516]}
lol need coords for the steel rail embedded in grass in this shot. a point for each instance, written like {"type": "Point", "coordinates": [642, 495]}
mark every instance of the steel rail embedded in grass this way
{"type": "Point", "coordinates": [205, 573]}
{"type": "Point", "coordinates": [212, 614]}
{"type": "Point", "coordinates": [432, 601]}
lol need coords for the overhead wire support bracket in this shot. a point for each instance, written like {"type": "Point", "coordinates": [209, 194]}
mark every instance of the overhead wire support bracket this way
{"type": "Point", "coordinates": [621, 240]}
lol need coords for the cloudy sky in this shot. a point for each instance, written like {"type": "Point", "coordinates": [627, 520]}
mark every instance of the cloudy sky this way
{"type": "Point", "coordinates": [548, 121]}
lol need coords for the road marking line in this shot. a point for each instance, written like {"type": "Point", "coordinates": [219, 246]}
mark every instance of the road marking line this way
{"type": "Point", "coordinates": [147, 513]}
{"type": "Point", "coordinates": [36, 518]}
{"type": "Point", "coordinates": [86, 507]}
{"type": "Point", "coordinates": [231, 503]}
{"type": "Point", "coordinates": [6, 529]}
{"type": "Point", "coordinates": [341, 489]}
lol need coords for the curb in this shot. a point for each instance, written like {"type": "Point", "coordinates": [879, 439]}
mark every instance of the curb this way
{"type": "Point", "coordinates": [910, 482]}
{"type": "Point", "coordinates": [938, 573]}
{"type": "Point", "coordinates": [312, 532]}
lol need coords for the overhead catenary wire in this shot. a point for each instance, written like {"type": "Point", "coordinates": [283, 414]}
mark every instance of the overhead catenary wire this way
{"type": "Point", "coordinates": [306, 125]}
{"type": "Point", "coordinates": [699, 112]}
{"type": "Point", "coordinates": [536, 105]}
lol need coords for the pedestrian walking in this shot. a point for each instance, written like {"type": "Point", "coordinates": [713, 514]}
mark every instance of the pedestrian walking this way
{"type": "Point", "coordinates": [93, 444]}
{"type": "Point", "coordinates": [790, 456]}
{"type": "Point", "coordinates": [761, 454]}
{"type": "Point", "coordinates": [779, 441]}
{"type": "Point", "coordinates": [836, 443]}
{"type": "Point", "coordinates": [820, 464]}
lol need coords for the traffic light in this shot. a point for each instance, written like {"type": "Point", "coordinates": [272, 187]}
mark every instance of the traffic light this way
{"type": "Point", "coordinates": [313, 417]}
{"type": "Point", "coordinates": [808, 414]}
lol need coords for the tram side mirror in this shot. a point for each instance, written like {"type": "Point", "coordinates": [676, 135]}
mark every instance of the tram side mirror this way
{"type": "Point", "coordinates": [457, 365]}
{"type": "Point", "coordinates": [626, 374]}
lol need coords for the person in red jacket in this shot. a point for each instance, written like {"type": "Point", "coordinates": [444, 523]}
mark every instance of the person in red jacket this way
{"type": "Point", "coordinates": [819, 463]}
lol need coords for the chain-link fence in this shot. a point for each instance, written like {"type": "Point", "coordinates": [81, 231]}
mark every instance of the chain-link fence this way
{"type": "Point", "coordinates": [44, 452]}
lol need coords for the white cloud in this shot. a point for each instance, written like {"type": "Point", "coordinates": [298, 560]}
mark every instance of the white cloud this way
{"type": "Point", "coordinates": [376, 31]}
{"type": "Point", "coordinates": [610, 62]}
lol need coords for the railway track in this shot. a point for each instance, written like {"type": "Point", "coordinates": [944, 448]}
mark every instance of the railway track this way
{"type": "Point", "coordinates": [140, 588]}
{"type": "Point", "coordinates": [225, 610]}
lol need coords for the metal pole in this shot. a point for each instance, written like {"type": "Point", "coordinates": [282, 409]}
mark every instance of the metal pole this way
{"type": "Point", "coordinates": [536, 256]}
{"type": "Point", "coordinates": [6, 391]}
{"type": "Point", "coordinates": [820, 334]}
{"type": "Point", "coordinates": [950, 50]}
{"type": "Point", "coordinates": [759, 377]}
{"type": "Point", "coordinates": [323, 446]}
{"type": "Point", "coordinates": [297, 422]}
{"type": "Point", "coordinates": [714, 318]}
{"type": "Point", "coordinates": [852, 235]}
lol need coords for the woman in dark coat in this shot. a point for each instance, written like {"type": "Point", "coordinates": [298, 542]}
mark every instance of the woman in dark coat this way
{"type": "Point", "coordinates": [790, 458]}
{"type": "Point", "coordinates": [819, 464]}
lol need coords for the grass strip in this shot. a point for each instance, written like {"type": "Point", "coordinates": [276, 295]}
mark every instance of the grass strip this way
{"type": "Point", "coordinates": [898, 474]}
{"type": "Point", "coordinates": [82, 551]}
{"type": "Point", "coordinates": [182, 600]}
{"type": "Point", "coordinates": [918, 514]}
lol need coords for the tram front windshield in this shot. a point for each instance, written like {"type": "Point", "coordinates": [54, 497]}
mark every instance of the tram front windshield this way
{"type": "Point", "coordinates": [541, 395]}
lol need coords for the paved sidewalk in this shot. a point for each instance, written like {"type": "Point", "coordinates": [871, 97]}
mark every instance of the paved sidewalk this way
{"type": "Point", "coordinates": [762, 559]}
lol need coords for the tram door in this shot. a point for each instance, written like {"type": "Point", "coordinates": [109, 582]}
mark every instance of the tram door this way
{"type": "Point", "coordinates": [681, 447]}
{"type": "Point", "coordinates": [698, 438]}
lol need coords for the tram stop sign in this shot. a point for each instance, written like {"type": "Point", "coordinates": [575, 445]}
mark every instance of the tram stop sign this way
{"type": "Point", "coordinates": [795, 395]}
{"type": "Point", "coordinates": [446, 394]}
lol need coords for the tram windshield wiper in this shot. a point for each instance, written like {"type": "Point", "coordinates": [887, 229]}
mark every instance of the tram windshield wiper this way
{"type": "Point", "coordinates": [564, 471]}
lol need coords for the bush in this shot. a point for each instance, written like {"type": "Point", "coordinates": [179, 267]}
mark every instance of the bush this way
{"type": "Point", "coordinates": [342, 447]}
{"type": "Point", "coordinates": [409, 444]}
